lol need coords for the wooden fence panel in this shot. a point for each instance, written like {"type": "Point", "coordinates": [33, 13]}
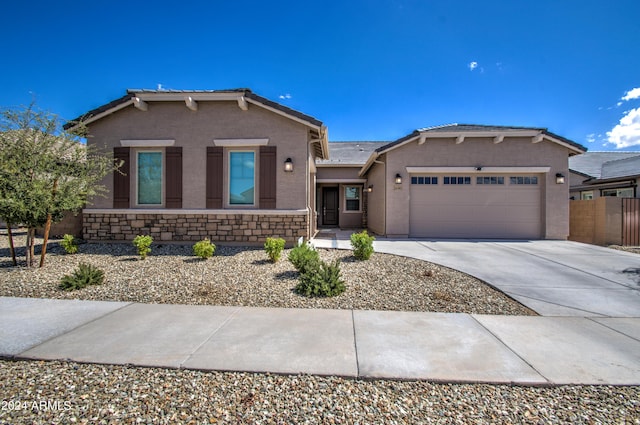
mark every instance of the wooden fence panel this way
{"type": "Point", "coordinates": [631, 222]}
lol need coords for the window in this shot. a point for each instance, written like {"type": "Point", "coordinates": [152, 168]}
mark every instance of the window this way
{"type": "Point", "coordinates": [457, 180]}
{"type": "Point", "coordinates": [424, 180]}
{"type": "Point", "coordinates": [242, 178]}
{"type": "Point", "coordinates": [352, 198]}
{"type": "Point", "coordinates": [149, 177]}
{"type": "Point", "coordinates": [530, 180]}
{"type": "Point", "coordinates": [620, 193]}
{"type": "Point", "coordinates": [489, 180]}
{"type": "Point", "coordinates": [586, 196]}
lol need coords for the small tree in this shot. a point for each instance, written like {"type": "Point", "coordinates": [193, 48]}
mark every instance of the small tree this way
{"type": "Point", "coordinates": [45, 171]}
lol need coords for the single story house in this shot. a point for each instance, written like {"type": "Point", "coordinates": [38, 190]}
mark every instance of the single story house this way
{"type": "Point", "coordinates": [597, 174]}
{"type": "Point", "coordinates": [236, 167]}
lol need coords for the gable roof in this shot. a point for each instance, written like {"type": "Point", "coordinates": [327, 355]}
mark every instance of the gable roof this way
{"type": "Point", "coordinates": [592, 164]}
{"type": "Point", "coordinates": [621, 168]}
{"type": "Point", "coordinates": [241, 95]}
{"type": "Point", "coordinates": [349, 153]}
{"type": "Point", "coordinates": [475, 130]}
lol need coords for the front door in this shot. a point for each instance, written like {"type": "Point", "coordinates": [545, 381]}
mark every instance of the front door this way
{"type": "Point", "coordinates": [330, 206]}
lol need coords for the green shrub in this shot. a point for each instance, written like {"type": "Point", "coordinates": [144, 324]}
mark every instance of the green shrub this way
{"type": "Point", "coordinates": [362, 245]}
{"type": "Point", "coordinates": [69, 244]}
{"type": "Point", "coordinates": [321, 280]}
{"type": "Point", "coordinates": [84, 275]}
{"type": "Point", "coordinates": [142, 243]}
{"type": "Point", "coordinates": [274, 247]}
{"type": "Point", "coordinates": [303, 256]}
{"type": "Point", "coordinates": [204, 249]}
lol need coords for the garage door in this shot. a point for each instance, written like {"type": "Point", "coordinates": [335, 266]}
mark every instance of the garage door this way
{"type": "Point", "coordinates": [486, 206]}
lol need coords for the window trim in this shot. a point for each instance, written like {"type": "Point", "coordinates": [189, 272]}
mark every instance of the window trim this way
{"type": "Point", "coordinates": [344, 200]}
{"type": "Point", "coordinates": [618, 190]}
{"type": "Point", "coordinates": [586, 193]}
{"type": "Point", "coordinates": [227, 186]}
{"type": "Point", "coordinates": [136, 182]}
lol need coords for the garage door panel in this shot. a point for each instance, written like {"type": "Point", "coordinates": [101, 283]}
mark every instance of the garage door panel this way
{"type": "Point", "coordinates": [475, 211]}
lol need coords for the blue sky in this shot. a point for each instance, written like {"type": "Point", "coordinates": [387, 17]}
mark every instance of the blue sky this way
{"type": "Point", "coordinates": [370, 70]}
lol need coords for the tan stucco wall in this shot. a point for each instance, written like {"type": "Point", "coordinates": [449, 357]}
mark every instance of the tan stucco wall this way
{"type": "Point", "coordinates": [338, 172]}
{"type": "Point", "coordinates": [195, 130]}
{"type": "Point", "coordinates": [512, 152]}
{"type": "Point", "coordinates": [597, 221]}
{"type": "Point", "coordinates": [376, 199]}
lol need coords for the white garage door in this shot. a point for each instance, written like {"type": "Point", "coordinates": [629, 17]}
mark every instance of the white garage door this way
{"type": "Point", "coordinates": [482, 206]}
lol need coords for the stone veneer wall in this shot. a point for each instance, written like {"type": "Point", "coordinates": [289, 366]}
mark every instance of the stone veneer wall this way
{"type": "Point", "coordinates": [219, 227]}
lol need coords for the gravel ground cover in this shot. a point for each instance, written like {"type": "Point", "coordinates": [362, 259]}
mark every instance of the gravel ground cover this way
{"type": "Point", "coordinates": [243, 276]}
{"type": "Point", "coordinates": [633, 249]}
{"type": "Point", "coordinates": [64, 393]}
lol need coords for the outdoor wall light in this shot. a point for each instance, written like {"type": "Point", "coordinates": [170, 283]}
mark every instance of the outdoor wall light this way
{"type": "Point", "coordinates": [398, 179]}
{"type": "Point", "coordinates": [559, 178]}
{"type": "Point", "coordinates": [288, 165]}
{"type": "Point", "coordinates": [370, 188]}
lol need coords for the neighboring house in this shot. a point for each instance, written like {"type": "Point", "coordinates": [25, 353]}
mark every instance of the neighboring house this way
{"type": "Point", "coordinates": [596, 174]}
{"type": "Point", "coordinates": [236, 167]}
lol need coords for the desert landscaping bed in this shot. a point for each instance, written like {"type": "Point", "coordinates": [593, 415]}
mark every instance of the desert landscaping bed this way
{"type": "Point", "coordinates": [243, 276]}
{"type": "Point", "coordinates": [120, 394]}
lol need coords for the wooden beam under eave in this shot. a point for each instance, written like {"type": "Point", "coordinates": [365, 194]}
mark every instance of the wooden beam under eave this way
{"type": "Point", "coordinates": [242, 103]}
{"type": "Point", "coordinates": [140, 104]}
{"type": "Point", "coordinates": [498, 139]}
{"type": "Point", "coordinates": [191, 104]}
{"type": "Point", "coordinates": [423, 138]}
{"type": "Point", "coordinates": [537, 139]}
{"type": "Point", "coordinates": [459, 140]}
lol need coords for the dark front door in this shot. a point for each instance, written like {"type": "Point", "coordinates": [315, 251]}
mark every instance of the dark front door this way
{"type": "Point", "coordinates": [330, 206]}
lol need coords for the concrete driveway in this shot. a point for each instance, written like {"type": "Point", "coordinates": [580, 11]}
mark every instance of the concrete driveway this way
{"type": "Point", "coordinates": [554, 278]}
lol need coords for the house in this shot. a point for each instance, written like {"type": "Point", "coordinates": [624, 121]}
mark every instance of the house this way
{"type": "Point", "coordinates": [236, 167]}
{"type": "Point", "coordinates": [464, 181]}
{"type": "Point", "coordinates": [227, 164]}
{"type": "Point", "coordinates": [597, 174]}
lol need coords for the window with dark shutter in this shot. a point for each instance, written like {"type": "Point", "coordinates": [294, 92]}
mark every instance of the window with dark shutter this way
{"type": "Point", "coordinates": [173, 197]}
{"type": "Point", "coordinates": [267, 181]}
{"type": "Point", "coordinates": [121, 185]}
{"type": "Point", "coordinates": [214, 177]}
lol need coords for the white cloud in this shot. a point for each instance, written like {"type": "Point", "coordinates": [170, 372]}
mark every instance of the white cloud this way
{"type": "Point", "coordinates": [284, 96]}
{"type": "Point", "coordinates": [473, 65]}
{"type": "Point", "coordinates": [591, 138]}
{"type": "Point", "coordinates": [632, 94]}
{"type": "Point", "coordinates": [627, 132]}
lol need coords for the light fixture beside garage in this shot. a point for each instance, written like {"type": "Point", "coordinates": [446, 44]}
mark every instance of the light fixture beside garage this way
{"type": "Point", "coordinates": [288, 165]}
{"type": "Point", "coordinates": [370, 188]}
{"type": "Point", "coordinates": [559, 178]}
{"type": "Point", "coordinates": [398, 179]}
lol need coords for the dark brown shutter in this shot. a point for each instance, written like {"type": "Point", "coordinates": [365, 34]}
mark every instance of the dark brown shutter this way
{"type": "Point", "coordinates": [214, 177]}
{"type": "Point", "coordinates": [121, 186]}
{"type": "Point", "coordinates": [267, 179]}
{"type": "Point", "coordinates": [173, 177]}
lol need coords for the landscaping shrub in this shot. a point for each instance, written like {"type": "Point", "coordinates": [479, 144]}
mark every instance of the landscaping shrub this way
{"type": "Point", "coordinates": [362, 244]}
{"type": "Point", "coordinates": [84, 275]}
{"type": "Point", "coordinates": [204, 249]}
{"type": "Point", "coordinates": [303, 256]}
{"type": "Point", "coordinates": [321, 280]}
{"type": "Point", "coordinates": [142, 243]}
{"type": "Point", "coordinates": [274, 247]}
{"type": "Point", "coordinates": [69, 244]}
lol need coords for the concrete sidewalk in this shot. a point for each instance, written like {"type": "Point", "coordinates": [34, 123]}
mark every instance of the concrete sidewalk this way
{"type": "Point", "coordinates": [362, 344]}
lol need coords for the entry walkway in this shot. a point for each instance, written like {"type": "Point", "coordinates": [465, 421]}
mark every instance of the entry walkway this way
{"type": "Point", "coordinates": [553, 278]}
{"type": "Point", "coordinates": [359, 344]}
